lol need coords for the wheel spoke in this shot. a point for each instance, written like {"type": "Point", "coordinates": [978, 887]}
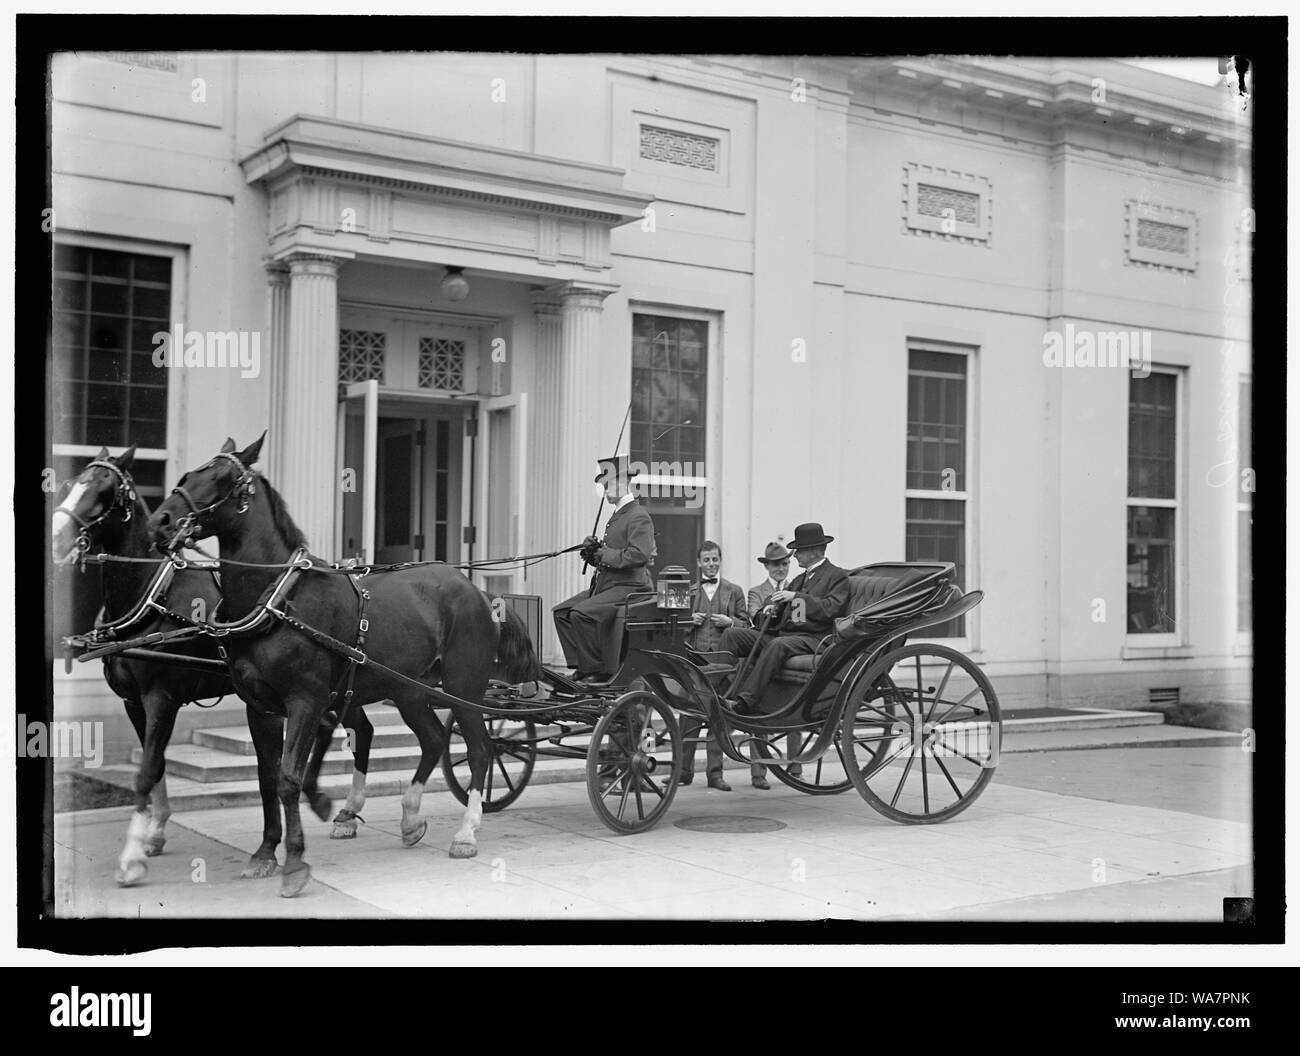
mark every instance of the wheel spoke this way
{"type": "Point", "coordinates": [955, 789]}
{"type": "Point", "coordinates": [509, 784]}
{"type": "Point", "coordinates": [960, 703]}
{"type": "Point", "coordinates": [640, 807]}
{"type": "Point", "coordinates": [939, 692]}
{"type": "Point", "coordinates": [622, 802]}
{"type": "Point", "coordinates": [925, 780]}
{"type": "Point", "coordinates": [902, 780]}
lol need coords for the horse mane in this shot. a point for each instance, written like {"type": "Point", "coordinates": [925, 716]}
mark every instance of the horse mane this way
{"type": "Point", "coordinates": [284, 524]}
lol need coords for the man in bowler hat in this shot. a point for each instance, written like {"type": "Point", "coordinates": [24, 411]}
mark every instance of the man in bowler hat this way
{"type": "Point", "coordinates": [622, 561]}
{"type": "Point", "coordinates": [802, 615]}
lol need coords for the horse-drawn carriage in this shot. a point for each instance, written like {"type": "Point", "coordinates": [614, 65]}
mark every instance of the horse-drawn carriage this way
{"type": "Point", "coordinates": [913, 726]}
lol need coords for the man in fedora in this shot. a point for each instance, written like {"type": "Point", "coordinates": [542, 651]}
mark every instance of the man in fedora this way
{"type": "Point", "coordinates": [802, 614]}
{"type": "Point", "coordinates": [622, 561]}
{"type": "Point", "coordinates": [776, 559]}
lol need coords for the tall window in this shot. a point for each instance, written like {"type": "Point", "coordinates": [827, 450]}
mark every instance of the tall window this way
{"type": "Point", "coordinates": [1152, 503]}
{"type": "Point", "coordinates": [670, 359]}
{"type": "Point", "coordinates": [937, 449]}
{"type": "Point", "coordinates": [1245, 461]}
{"type": "Point", "coordinates": [105, 390]}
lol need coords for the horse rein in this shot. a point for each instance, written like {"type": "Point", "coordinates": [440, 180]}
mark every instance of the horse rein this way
{"type": "Point", "coordinates": [243, 488]}
{"type": "Point", "coordinates": [123, 498]}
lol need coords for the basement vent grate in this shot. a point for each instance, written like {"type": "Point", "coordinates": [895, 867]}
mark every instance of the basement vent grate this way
{"type": "Point", "coordinates": [1163, 696]}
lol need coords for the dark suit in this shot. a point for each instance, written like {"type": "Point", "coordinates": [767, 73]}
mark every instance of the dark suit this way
{"type": "Point", "coordinates": [727, 600]}
{"type": "Point", "coordinates": [584, 621]}
{"type": "Point", "coordinates": [822, 594]}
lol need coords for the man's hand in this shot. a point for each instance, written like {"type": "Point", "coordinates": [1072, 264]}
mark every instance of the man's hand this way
{"type": "Point", "coordinates": [782, 596]}
{"type": "Point", "coordinates": [591, 547]}
{"type": "Point", "coordinates": [719, 619]}
{"type": "Point", "coordinates": [697, 618]}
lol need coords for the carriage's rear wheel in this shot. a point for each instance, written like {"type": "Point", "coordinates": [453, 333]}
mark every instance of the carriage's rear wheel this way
{"type": "Point", "coordinates": [633, 762]}
{"type": "Point", "coordinates": [514, 753]}
{"type": "Point", "coordinates": [923, 746]}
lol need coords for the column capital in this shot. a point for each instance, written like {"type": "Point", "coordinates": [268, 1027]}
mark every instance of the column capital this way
{"type": "Point", "coordinates": [277, 272]}
{"type": "Point", "coordinates": [580, 294]}
{"type": "Point", "coordinates": [304, 261]}
{"type": "Point", "coordinates": [545, 301]}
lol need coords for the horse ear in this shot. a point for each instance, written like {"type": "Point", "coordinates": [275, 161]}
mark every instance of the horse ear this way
{"type": "Point", "coordinates": [249, 455]}
{"type": "Point", "coordinates": [103, 454]}
{"type": "Point", "coordinates": [124, 460]}
{"type": "Point", "coordinates": [228, 446]}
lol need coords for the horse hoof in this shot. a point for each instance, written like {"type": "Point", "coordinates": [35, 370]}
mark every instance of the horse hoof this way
{"type": "Point", "coordinates": [291, 884]}
{"type": "Point", "coordinates": [320, 805]}
{"type": "Point", "coordinates": [463, 850]}
{"type": "Point", "coordinates": [259, 869]}
{"type": "Point", "coordinates": [154, 846]}
{"type": "Point", "coordinates": [344, 830]}
{"type": "Point", "coordinates": [132, 872]}
{"type": "Point", "coordinates": [410, 837]}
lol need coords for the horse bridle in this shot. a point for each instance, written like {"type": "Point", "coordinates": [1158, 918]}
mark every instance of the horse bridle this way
{"type": "Point", "coordinates": [123, 498]}
{"type": "Point", "coordinates": [243, 488]}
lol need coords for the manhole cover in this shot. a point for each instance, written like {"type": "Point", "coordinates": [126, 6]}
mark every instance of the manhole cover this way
{"type": "Point", "coordinates": [729, 824]}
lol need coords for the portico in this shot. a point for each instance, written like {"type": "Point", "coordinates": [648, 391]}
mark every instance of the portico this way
{"type": "Point", "coordinates": [366, 220]}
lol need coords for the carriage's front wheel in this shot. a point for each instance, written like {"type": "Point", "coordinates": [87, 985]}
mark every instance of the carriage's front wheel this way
{"type": "Point", "coordinates": [514, 753]}
{"type": "Point", "coordinates": [923, 744]}
{"type": "Point", "coordinates": [633, 762]}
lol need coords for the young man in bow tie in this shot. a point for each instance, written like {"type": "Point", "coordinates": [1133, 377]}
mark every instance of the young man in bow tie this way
{"type": "Point", "coordinates": [622, 562]}
{"type": "Point", "coordinates": [718, 605]}
{"type": "Point", "coordinates": [802, 614]}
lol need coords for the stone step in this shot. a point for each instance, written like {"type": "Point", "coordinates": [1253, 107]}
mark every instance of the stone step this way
{"type": "Point", "coordinates": [203, 775]}
{"type": "Point", "coordinates": [236, 740]}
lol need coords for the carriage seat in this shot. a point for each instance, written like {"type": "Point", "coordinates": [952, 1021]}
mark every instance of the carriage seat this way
{"type": "Point", "coordinates": [867, 586]}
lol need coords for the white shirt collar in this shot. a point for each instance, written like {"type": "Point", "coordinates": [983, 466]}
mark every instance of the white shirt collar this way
{"type": "Point", "coordinates": [813, 568]}
{"type": "Point", "coordinates": [776, 583]}
{"type": "Point", "coordinates": [629, 497]}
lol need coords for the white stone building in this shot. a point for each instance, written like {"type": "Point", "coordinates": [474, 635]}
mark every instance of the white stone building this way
{"type": "Point", "coordinates": [832, 289]}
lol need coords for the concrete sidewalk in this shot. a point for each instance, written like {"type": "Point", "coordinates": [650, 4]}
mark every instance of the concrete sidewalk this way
{"type": "Point", "coordinates": [1017, 853]}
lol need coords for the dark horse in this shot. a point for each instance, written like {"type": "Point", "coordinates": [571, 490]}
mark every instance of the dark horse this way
{"type": "Point", "coordinates": [428, 622]}
{"type": "Point", "coordinates": [103, 509]}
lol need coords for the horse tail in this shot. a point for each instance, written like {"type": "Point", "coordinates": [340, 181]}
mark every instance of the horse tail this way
{"type": "Point", "coordinates": [515, 651]}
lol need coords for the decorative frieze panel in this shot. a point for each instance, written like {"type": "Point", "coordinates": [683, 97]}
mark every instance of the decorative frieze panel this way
{"type": "Point", "coordinates": [361, 356]}
{"type": "Point", "coordinates": [442, 364]}
{"type": "Point", "coordinates": [947, 204]}
{"type": "Point", "coordinates": [1161, 237]}
{"type": "Point", "coordinates": [674, 147]}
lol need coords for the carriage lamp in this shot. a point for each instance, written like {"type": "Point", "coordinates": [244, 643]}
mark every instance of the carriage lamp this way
{"type": "Point", "coordinates": [674, 588]}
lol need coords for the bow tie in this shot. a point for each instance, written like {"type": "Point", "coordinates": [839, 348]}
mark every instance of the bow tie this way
{"type": "Point", "coordinates": [707, 580]}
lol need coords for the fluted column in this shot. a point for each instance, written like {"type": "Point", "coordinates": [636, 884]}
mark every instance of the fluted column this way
{"type": "Point", "coordinates": [546, 579]}
{"type": "Point", "coordinates": [277, 354]}
{"type": "Point", "coordinates": [308, 413]}
{"type": "Point", "coordinates": [580, 442]}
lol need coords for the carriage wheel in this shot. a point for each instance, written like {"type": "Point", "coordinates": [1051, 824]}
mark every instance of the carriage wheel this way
{"type": "Point", "coordinates": [829, 775]}
{"type": "Point", "coordinates": [633, 762]}
{"type": "Point", "coordinates": [942, 746]}
{"type": "Point", "coordinates": [514, 752]}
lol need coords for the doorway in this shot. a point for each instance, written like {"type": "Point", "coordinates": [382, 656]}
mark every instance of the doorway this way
{"type": "Point", "coordinates": [402, 472]}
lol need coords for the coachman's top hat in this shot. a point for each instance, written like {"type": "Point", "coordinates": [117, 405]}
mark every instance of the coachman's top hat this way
{"type": "Point", "coordinates": [806, 536]}
{"type": "Point", "coordinates": [616, 466]}
{"type": "Point", "coordinates": [774, 552]}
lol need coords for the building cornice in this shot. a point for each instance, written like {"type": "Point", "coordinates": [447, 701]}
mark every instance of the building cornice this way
{"type": "Point", "coordinates": [324, 148]}
{"type": "Point", "coordinates": [1086, 93]}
